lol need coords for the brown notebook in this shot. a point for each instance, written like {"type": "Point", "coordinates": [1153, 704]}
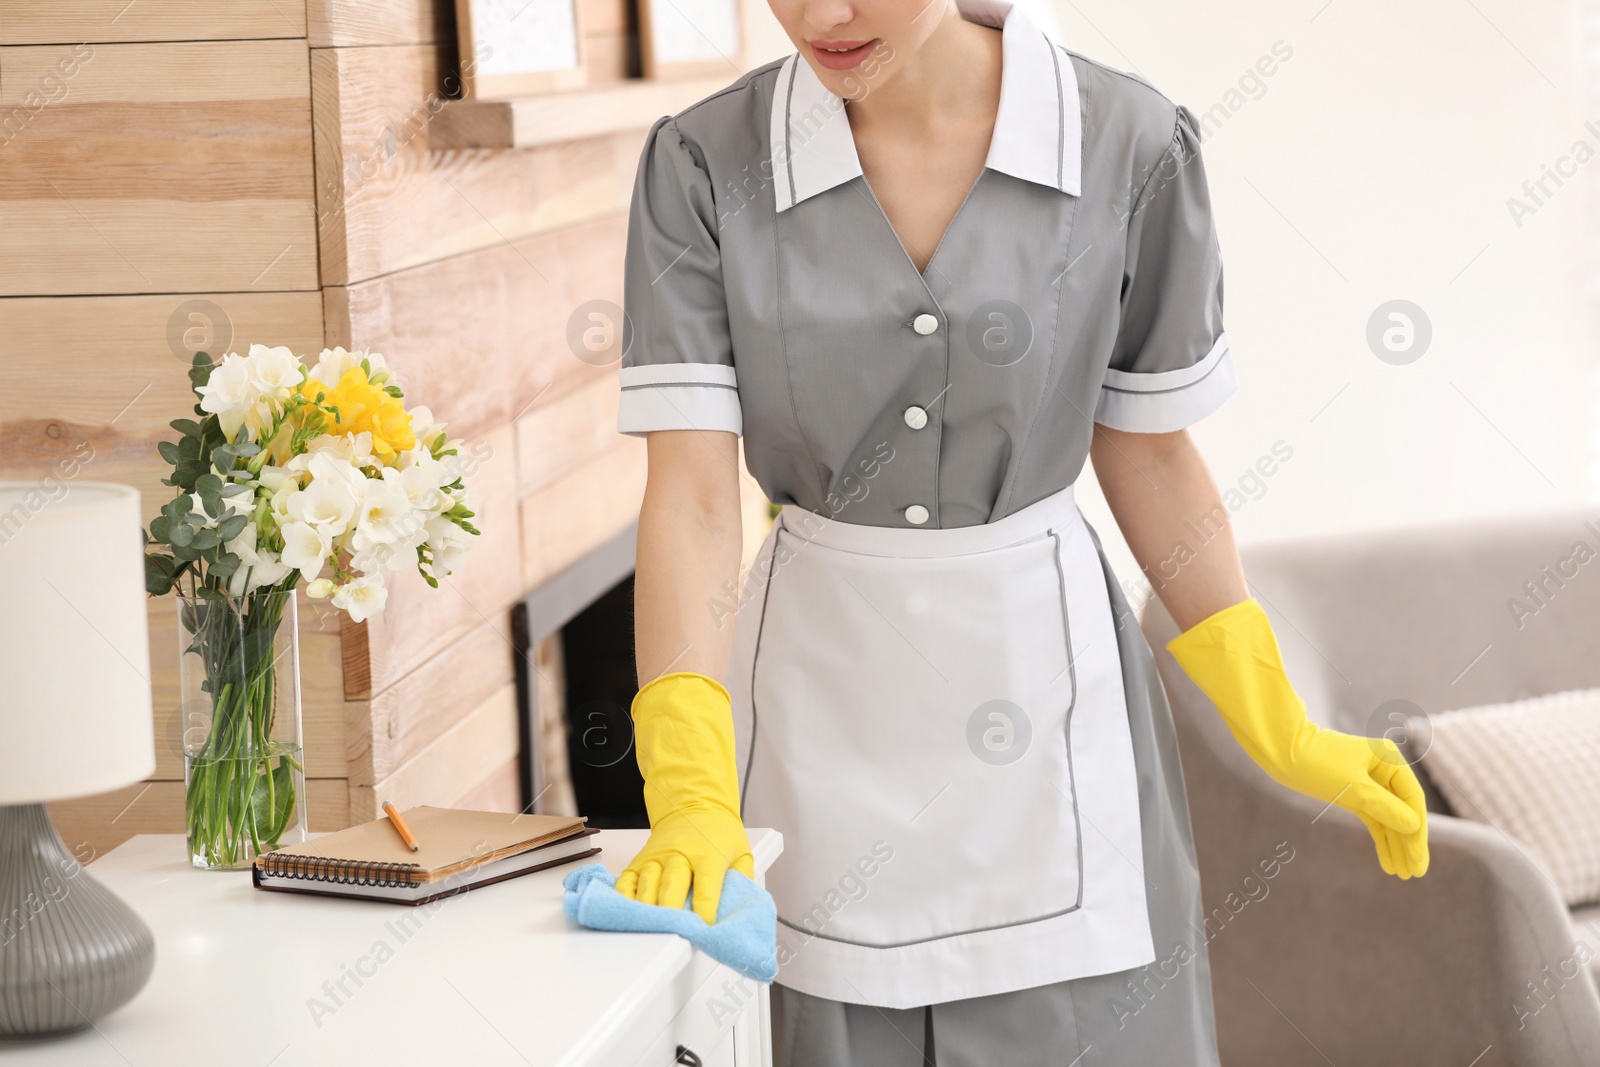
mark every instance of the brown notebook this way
{"type": "Point", "coordinates": [460, 850]}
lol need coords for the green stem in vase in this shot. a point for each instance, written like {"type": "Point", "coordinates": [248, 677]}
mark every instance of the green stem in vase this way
{"type": "Point", "coordinates": [237, 804]}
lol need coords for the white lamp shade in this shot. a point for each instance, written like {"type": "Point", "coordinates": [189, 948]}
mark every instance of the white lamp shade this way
{"type": "Point", "coordinates": [75, 714]}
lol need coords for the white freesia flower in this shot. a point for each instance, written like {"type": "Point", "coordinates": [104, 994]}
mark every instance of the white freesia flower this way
{"type": "Point", "coordinates": [306, 548]}
{"type": "Point", "coordinates": [320, 589]}
{"type": "Point", "coordinates": [421, 480]}
{"type": "Point", "coordinates": [384, 517]}
{"type": "Point", "coordinates": [274, 371]}
{"type": "Point", "coordinates": [334, 363]}
{"type": "Point", "coordinates": [238, 504]}
{"type": "Point", "coordinates": [279, 505]}
{"type": "Point", "coordinates": [379, 560]}
{"type": "Point", "coordinates": [327, 467]}
{"type": "Point", "coordinates": [268, 569]}
{"type": "Point", "coordinates": [448, 543]}
{"type": "Point", "coordinates": [276, 479]}
{"type": "Point", "coordinates": [231, 394]}
{"type": "Point", "coordinates": [257, 568]}
{"type": "Point", "coordinates": [327, 503]}
{"type": "Point", "coordinates": [425, 428]}
{"type": "Point", "coordinates": [361, 598]}
{"type": "Point", "coordinates": [354, 449]}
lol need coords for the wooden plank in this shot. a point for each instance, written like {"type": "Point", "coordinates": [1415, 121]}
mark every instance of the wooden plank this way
{"type": "Point", "coordinates": [97, 21]}
{"type": "Point", "coordinates": [499, 791]}
{"type": "Point", "coordinates": [518, 298]}
{"type": "Point", "coordinates": [183, 167]}
{"type": "Point", "coordinates": [576, 512]}
{"type": "Point", "coordinates": [609, 58]}
{"type": "Point", "coordinates": [555, 437]}
{"type": "Point", "coordinates": [387, 201]}
{"type": "Point", "coordinates": [357, 22]}
{"type": "Point", "coordinates": [92, 826]}
{"type": "Point", "coordinates": [419, 622]}
{"type": "Point", "coordinates": [531, 121]}
{"type": "Point", "coordinates": [606, 17]}
{"type": "Point", "coordinates": [410, 715]}
{"type": "Point", "coordinates": [555, 772]}
{"type": "Point", "coordinates": [102, 376]}
{"type": "Point", "coordinates": [460, 758]}
{"type": "Point", "coordinates": [88, 384]}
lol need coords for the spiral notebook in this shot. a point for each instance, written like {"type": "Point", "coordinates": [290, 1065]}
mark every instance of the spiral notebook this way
{"type": "Point", "coordinates": [460, 850]}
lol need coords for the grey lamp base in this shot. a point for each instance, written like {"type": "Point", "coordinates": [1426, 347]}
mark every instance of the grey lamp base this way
{"type": "Point", "coordinates": [70, 950]}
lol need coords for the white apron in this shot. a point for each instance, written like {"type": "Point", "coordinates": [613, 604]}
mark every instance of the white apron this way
{"type": "Point", "coordinates": [935, 721]}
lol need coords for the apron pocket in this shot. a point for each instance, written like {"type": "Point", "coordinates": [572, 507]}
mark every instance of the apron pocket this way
{"type": "Point", "coordinates": [912, 740]}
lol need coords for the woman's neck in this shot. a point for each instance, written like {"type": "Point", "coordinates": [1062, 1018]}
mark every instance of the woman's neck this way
{"type": "Point", "coordinates": [954, 77]}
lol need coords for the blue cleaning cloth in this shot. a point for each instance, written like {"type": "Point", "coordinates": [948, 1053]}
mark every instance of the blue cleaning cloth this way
{"type": "Point", "coordinates": [744, 937]}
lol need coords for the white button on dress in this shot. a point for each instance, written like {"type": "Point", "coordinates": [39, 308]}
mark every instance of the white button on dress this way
{"type": "Point", "coordinates": [916, 417]}
{"type": "Point", "coordinates": [925, 323]}
{"type": "Point", "coordinates": [916, 514]}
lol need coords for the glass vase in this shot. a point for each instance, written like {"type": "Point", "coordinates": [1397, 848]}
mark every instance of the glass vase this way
{"type": "Point", "coordinates": [243, 754]}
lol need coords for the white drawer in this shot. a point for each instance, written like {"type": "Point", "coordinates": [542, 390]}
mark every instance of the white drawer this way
{"type": "Point", "coordinates": [718, 1025]}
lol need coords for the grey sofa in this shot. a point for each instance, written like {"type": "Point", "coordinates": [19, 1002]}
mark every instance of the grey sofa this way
{"type": "Point", "coordinates": [1329, 960]}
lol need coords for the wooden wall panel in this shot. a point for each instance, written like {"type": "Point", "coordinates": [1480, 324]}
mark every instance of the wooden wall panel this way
{"type": "Point", "coordinates": [464, 755]}
{"type": "Point", "coordinates": [556, 437]}
{"type": "Point", "coordinates": [357, 22]}
{"type": "Point", "coordinates": [103, 376]}
{"type": "Point", "coordinates": [505, 309]}
{"type": "Point", "coordinates": [93, 826]}
{"type": "Point", "coordinates": [555, 795]}
{"type": "Point", "coordinates": [410, 715]}
{"type": "Point", "coordinates": [576, 513]}
{"type": "Point", "coordinates": [182, 167]}
{"type": "Point", "coordinates": [96, 21]}
{"type": "Point", "coordinates": [419, 622]}
{"type": "Point", "coordinates": [387, 201]}
{"type": "Point", "coordinates": [500, 791]}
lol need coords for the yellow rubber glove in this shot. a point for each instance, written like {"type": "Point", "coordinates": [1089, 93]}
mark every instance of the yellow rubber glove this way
{"type": "Point", "coordinates": [683, 727]}
{"type": "Point", "coordinates": [1233, 657]}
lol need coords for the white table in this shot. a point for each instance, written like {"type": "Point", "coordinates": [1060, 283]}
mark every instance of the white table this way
{"type": "Point", "coordinates": [496, 976]}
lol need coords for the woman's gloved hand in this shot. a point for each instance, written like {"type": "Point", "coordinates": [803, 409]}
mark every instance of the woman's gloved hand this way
{"type": "Point", "coordinates": [683, 727]}
{"type": "Point", "coordinates": [1233, 657]}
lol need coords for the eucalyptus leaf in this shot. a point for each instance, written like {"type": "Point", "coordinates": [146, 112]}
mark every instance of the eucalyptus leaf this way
{"type": "Point", "coordinates": [207, 538]}
{"type": "Point", "coordinates": [200, 370]}
{"type": "Point", "coordinates": [160, 529]}
{"type": "Point", "coordinates": [187, 427]}
{"type": "Point", "coordinates": [157, 575]}
{"type": "Point", "coordinates": [169, 451]}
{"type": "Point", "coordinates": [181, 534]}
{"type": "Point", "coordinates": [232, 526]}
{"type": "Point", "coordinates": [207, 483]}
{"type": "Point", "coordinates": [226, 565]}
{"type": "Point", "coordinates": [189, 448]}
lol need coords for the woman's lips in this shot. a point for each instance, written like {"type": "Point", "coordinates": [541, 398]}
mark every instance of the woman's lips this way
{"type": "Point", "coordinates": [841, 55]}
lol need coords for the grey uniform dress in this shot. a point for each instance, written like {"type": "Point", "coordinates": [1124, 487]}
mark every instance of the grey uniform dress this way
{"type": "Point", "coordinates": [1080, 282]}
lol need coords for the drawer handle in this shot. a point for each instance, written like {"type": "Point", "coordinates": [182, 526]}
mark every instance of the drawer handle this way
{"type": "Point", "coordinates": [687, 1057]}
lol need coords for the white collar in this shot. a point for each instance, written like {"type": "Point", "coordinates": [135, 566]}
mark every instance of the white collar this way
{"type": "Point", "coordinates": [1037, 131]}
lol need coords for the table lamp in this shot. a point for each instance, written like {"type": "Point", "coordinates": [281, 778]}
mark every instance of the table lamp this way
{"type": "Point", "coordinates": [74, 720]}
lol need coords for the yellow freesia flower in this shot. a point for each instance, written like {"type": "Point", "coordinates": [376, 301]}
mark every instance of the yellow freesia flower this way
{"type": "Point", "coordinates": [365, 408]}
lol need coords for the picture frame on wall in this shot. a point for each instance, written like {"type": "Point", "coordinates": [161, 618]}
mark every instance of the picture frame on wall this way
{"type": "Point", "coordinates": [520, 47]}
{"type": "Point", "coordinates": [690, 38]}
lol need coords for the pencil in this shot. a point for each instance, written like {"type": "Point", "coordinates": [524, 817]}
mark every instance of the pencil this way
{"type": "Point", "coordinates": [400, 826]}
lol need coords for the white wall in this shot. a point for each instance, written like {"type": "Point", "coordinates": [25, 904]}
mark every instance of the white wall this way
{"type": "Point", "coordinates": [1374, 164]}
